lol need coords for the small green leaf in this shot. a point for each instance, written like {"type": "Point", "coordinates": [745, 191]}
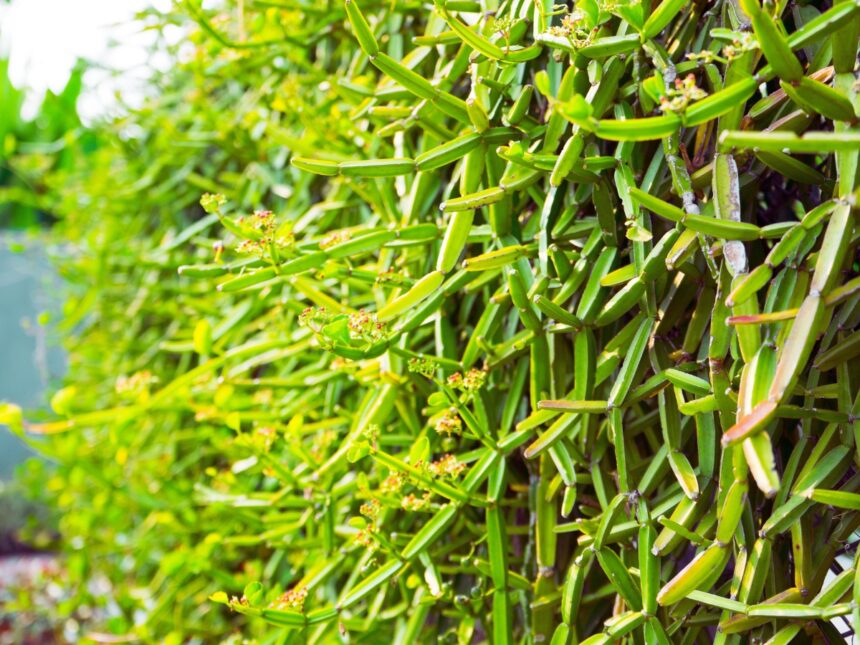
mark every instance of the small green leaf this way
{"type": "Point", "coordinates": [254, 594]}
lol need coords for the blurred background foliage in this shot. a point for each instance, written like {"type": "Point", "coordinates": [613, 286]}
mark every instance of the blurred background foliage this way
{"type": "Point", "coordinates": [35, 148]}
{"type": "Point", "coordinates": [120, 197]}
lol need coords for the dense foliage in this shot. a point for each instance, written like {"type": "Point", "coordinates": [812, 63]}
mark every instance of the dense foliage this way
{"type": "Point", "coordinates": [32, 148]}
{"type": "Point", "coordinates": [502, 322]}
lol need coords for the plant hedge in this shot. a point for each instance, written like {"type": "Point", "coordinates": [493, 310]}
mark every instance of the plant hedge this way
{"type": "Point", "coordinates": [496, 321]}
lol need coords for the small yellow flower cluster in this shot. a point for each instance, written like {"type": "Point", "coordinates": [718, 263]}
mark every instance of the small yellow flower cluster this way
{"type": "Point", "coordinates": [686, 91]}
{"type": "Point", "coordinates": [371, 432]}
{"type": "Point", "coordinates": [423, 366]}
{"type": "Point", "coordinates": [739, 46]}
{"type": "Point", "coordinates": [264, 222]}
{"type": "Point", "coordinates": [291, 599]}
{"type": "Point", "coordinates": [415, 503]}
{"type": "Point", "coordinates": [212, 203]}
{"type": "Point", "coordinates": [447, 466]}
{"type": "Point", "coordinates": [365, 538]}
{"type": "Point", "coordinates": [370, 509]}
{"type": "Point", "coordinates": [573, 27]}
{"type": "Point", "coordinates": [393, 483]}
{"type": "Point", "coordinates": [364, 326]}
{"type": "Point", "coordinates": [449, 423]}
{"type": "Point", "coordinates": [502, 26]}
{"type": "Point", "coordinates": [471, 382]}
{"type": "Point", "coordinates": [705, 56]}
{"type": "Point", "coordinates": [314, 318]}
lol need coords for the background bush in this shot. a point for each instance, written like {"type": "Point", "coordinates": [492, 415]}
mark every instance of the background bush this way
{"type": "Point", "coordinates": [32, 148]}
{"type": "Point", "coordinates": [630, 414]}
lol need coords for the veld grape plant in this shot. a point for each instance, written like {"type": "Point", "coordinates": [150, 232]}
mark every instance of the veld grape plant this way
{"type": "Point", "coordinates": [502, 322]}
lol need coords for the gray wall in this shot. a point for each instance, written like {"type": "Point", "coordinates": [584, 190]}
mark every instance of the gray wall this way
{"type": "Point", "coordinates": [29, 360]}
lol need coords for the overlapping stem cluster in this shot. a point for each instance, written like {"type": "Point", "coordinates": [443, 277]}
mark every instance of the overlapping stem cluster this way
{"type": "Point", "coordinates": [560, 347]}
